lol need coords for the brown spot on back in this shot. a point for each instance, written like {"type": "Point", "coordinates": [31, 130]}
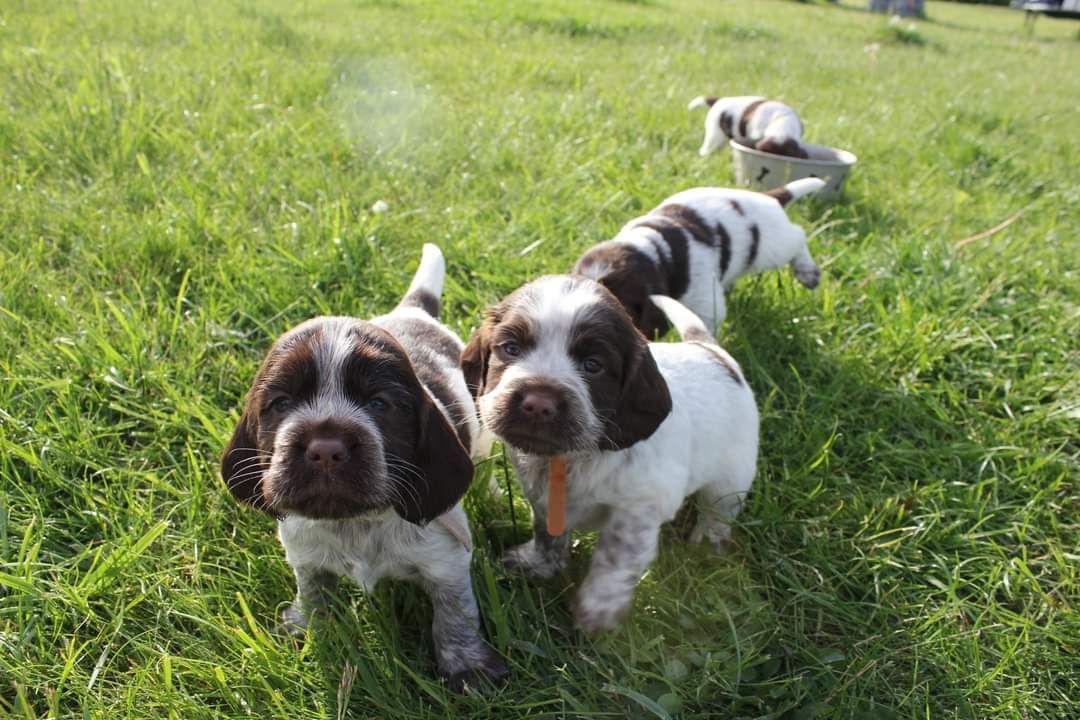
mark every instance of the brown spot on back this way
{"type": "Point", "coordinates": [755, 238]}
{"type": "Point", "coordinates": [725, 248]}
{"type": "Point", "coordinates": [688, 219]}
{"type": "Point", "coordinates": [737, 207]}
{"type": "Point", "coordinates": [747, 114]}
{"type": "Point", "coordinates": [677, 269]}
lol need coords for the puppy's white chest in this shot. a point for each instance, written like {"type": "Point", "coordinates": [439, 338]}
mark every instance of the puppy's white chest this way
{"type": "Point", "coordinates": [365, 552]}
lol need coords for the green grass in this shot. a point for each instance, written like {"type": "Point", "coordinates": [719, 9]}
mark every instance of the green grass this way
{"type": "Point", "coordinates": [183, 181]}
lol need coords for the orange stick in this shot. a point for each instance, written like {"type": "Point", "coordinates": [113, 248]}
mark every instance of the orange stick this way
{"type": "Point", "coordinates": [556, 510]}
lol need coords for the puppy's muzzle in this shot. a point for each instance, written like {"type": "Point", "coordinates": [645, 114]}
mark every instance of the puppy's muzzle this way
{"type": "Point", "coordinates": [329, 470]}
{"type": "Point", "coordinates": [542, 418]}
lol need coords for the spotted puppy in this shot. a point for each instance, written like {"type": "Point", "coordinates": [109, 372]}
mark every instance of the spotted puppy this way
{"type": "Point", "coordinates": [559, 370]}
{"type": "Point", "coordinates": [695, 245]}
{"type": "Point", "coordinates": [354, 436]}
{"type": "Point", "coordinates": [756, 122]}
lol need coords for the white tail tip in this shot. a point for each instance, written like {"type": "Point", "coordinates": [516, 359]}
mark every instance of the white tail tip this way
{"type": "Point", "coordinates": [698, 102]}
{"type": "Point", "coordinates": [688, 324]}
{"type": "Point", "coordinates": [805, 186]}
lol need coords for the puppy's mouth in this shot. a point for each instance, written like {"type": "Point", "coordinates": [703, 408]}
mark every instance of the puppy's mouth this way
{"type": "Point", "coordinates": [541, 438]}
{"type": "Point", "coordinates": [325, 496]}
{"type": "Point", "coordinates": [535, 442]}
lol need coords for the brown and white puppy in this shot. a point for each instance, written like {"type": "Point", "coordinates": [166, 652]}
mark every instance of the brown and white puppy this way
{"type": "Point", "coordinates": [559, 370]}
{"type": "Point", "coordinates": [695, 245]}
{"type": "Point", "coordinates": [756, 122]}
{"type": "Point", "coordinates": [354, 436]}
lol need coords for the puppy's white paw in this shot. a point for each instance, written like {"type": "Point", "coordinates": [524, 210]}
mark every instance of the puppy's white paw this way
{"type": "Point", "coordinates": [596, 612]}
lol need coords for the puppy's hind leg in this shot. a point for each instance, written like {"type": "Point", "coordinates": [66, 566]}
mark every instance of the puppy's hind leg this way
{"type": "Point", "coordinates": [714, 313]}
{"type": "Point", "coordinates": [714, 138]}
{"type": "Point", "coordinates": [717, 507]}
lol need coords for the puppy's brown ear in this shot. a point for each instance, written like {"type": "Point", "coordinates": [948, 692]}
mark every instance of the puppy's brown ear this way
{"type": "Point", "coordinates": [643, 404]}
{"type": "Point", "coordinates": [242, 465]}
{"type": "Point", "coordinates": [475, 356]}
{"type": "Point", "coordinates": [441, 470]}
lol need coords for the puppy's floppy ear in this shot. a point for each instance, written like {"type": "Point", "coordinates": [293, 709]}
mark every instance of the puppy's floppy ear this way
{"type": "Point", "coordinates": [475, 356]}
{"type": "Point", "coordinates": [644, 401]}
{"type": "Point", "coordinates": [442, 472]}
{"type": "Point", "coordinates": [242, 466]}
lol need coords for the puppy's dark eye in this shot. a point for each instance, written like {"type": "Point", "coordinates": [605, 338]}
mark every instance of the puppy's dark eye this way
{"type": "Point", "coordinates": [377, 404]}
{"type": "Point", "coordinates": [510, 349]}
{"type": "Point", "coordinates": [592, 366]}
{"type": "Point", "coordinates": [280, 404]}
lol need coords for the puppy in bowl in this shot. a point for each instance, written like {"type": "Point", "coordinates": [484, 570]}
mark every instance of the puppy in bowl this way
{"type": "Point", "coordinates": [609, 432]}
{"type": "Point", "coordinates": [751, 120]}
{"type": "Point", "coordinates": [695, 245]}
{"type": "Point", "coordinates": [354, 436]}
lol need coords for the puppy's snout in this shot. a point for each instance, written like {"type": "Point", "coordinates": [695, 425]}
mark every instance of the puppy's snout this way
{"type": "Point", "coordinates": [328, 452]}
{"type": "Point", "coordinates": [539, 404]}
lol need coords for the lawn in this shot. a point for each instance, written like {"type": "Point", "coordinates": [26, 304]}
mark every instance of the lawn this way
{"type": "Point", "coordinates": [183, 181]}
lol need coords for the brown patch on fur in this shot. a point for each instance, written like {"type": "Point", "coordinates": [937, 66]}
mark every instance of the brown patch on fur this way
{"type": "Point", "coordinates": [755, 238]}
{"type": "Point", "coordinates": [422, 299]}
{"type": "Point", "coordinates": [737, 207]}
{"type": "Point", "coordinates": [788, 148]}
{"type": "Point", "coordinates": [781, 195]}
{"type": "Point", "coordinates": [727, 125]}
{"type": "Point", "coordinates": [688, 219]}
{"type": "Point", "coordinates": [710, 345]}
{"type": "Point", "coordinates": [748, 112]}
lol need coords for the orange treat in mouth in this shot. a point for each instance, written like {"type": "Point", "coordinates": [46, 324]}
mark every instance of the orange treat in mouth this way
{"type": "Point", "coordinates": [556, 510]}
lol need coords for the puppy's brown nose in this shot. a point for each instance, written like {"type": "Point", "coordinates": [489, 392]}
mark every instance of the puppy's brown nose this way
{"type": "Point", "coordinates": [327, 451]}
{"type": "Point", "coordinates": [538, 405]}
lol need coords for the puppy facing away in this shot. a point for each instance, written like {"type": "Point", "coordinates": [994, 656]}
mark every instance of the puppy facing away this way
{"type": "Point", "coordinates": [756, 122]}
{"type": "Point", "coordinates": [695, 245]}
{"type": "Point", "coordinates": [354, 437]}
{"type": "Point", "coordinates": [562, 376]}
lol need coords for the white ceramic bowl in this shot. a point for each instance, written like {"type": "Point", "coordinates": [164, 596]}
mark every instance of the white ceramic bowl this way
{"type": "Point", "coordinates": [765, 171]}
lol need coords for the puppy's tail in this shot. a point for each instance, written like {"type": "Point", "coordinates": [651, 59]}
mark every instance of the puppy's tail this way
{"type": "Point", "coordinates": [427, 284]}
{"type": "Point", "coordinates": [688, 324]}
{"type": "Point", "coordinates": [702, 101]}
{"type": "Point", "coordinates": [795, 190]}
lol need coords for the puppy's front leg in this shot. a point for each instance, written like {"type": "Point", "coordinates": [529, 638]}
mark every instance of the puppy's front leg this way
{"type": "Point", "coordinates": [313, 588]}
{"type": "Point", "coordinates": [544, 556]}
{"type": "Point", "coordinates": [626, 548]}
{"type": "Point", "coordinates": [461, 653]}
